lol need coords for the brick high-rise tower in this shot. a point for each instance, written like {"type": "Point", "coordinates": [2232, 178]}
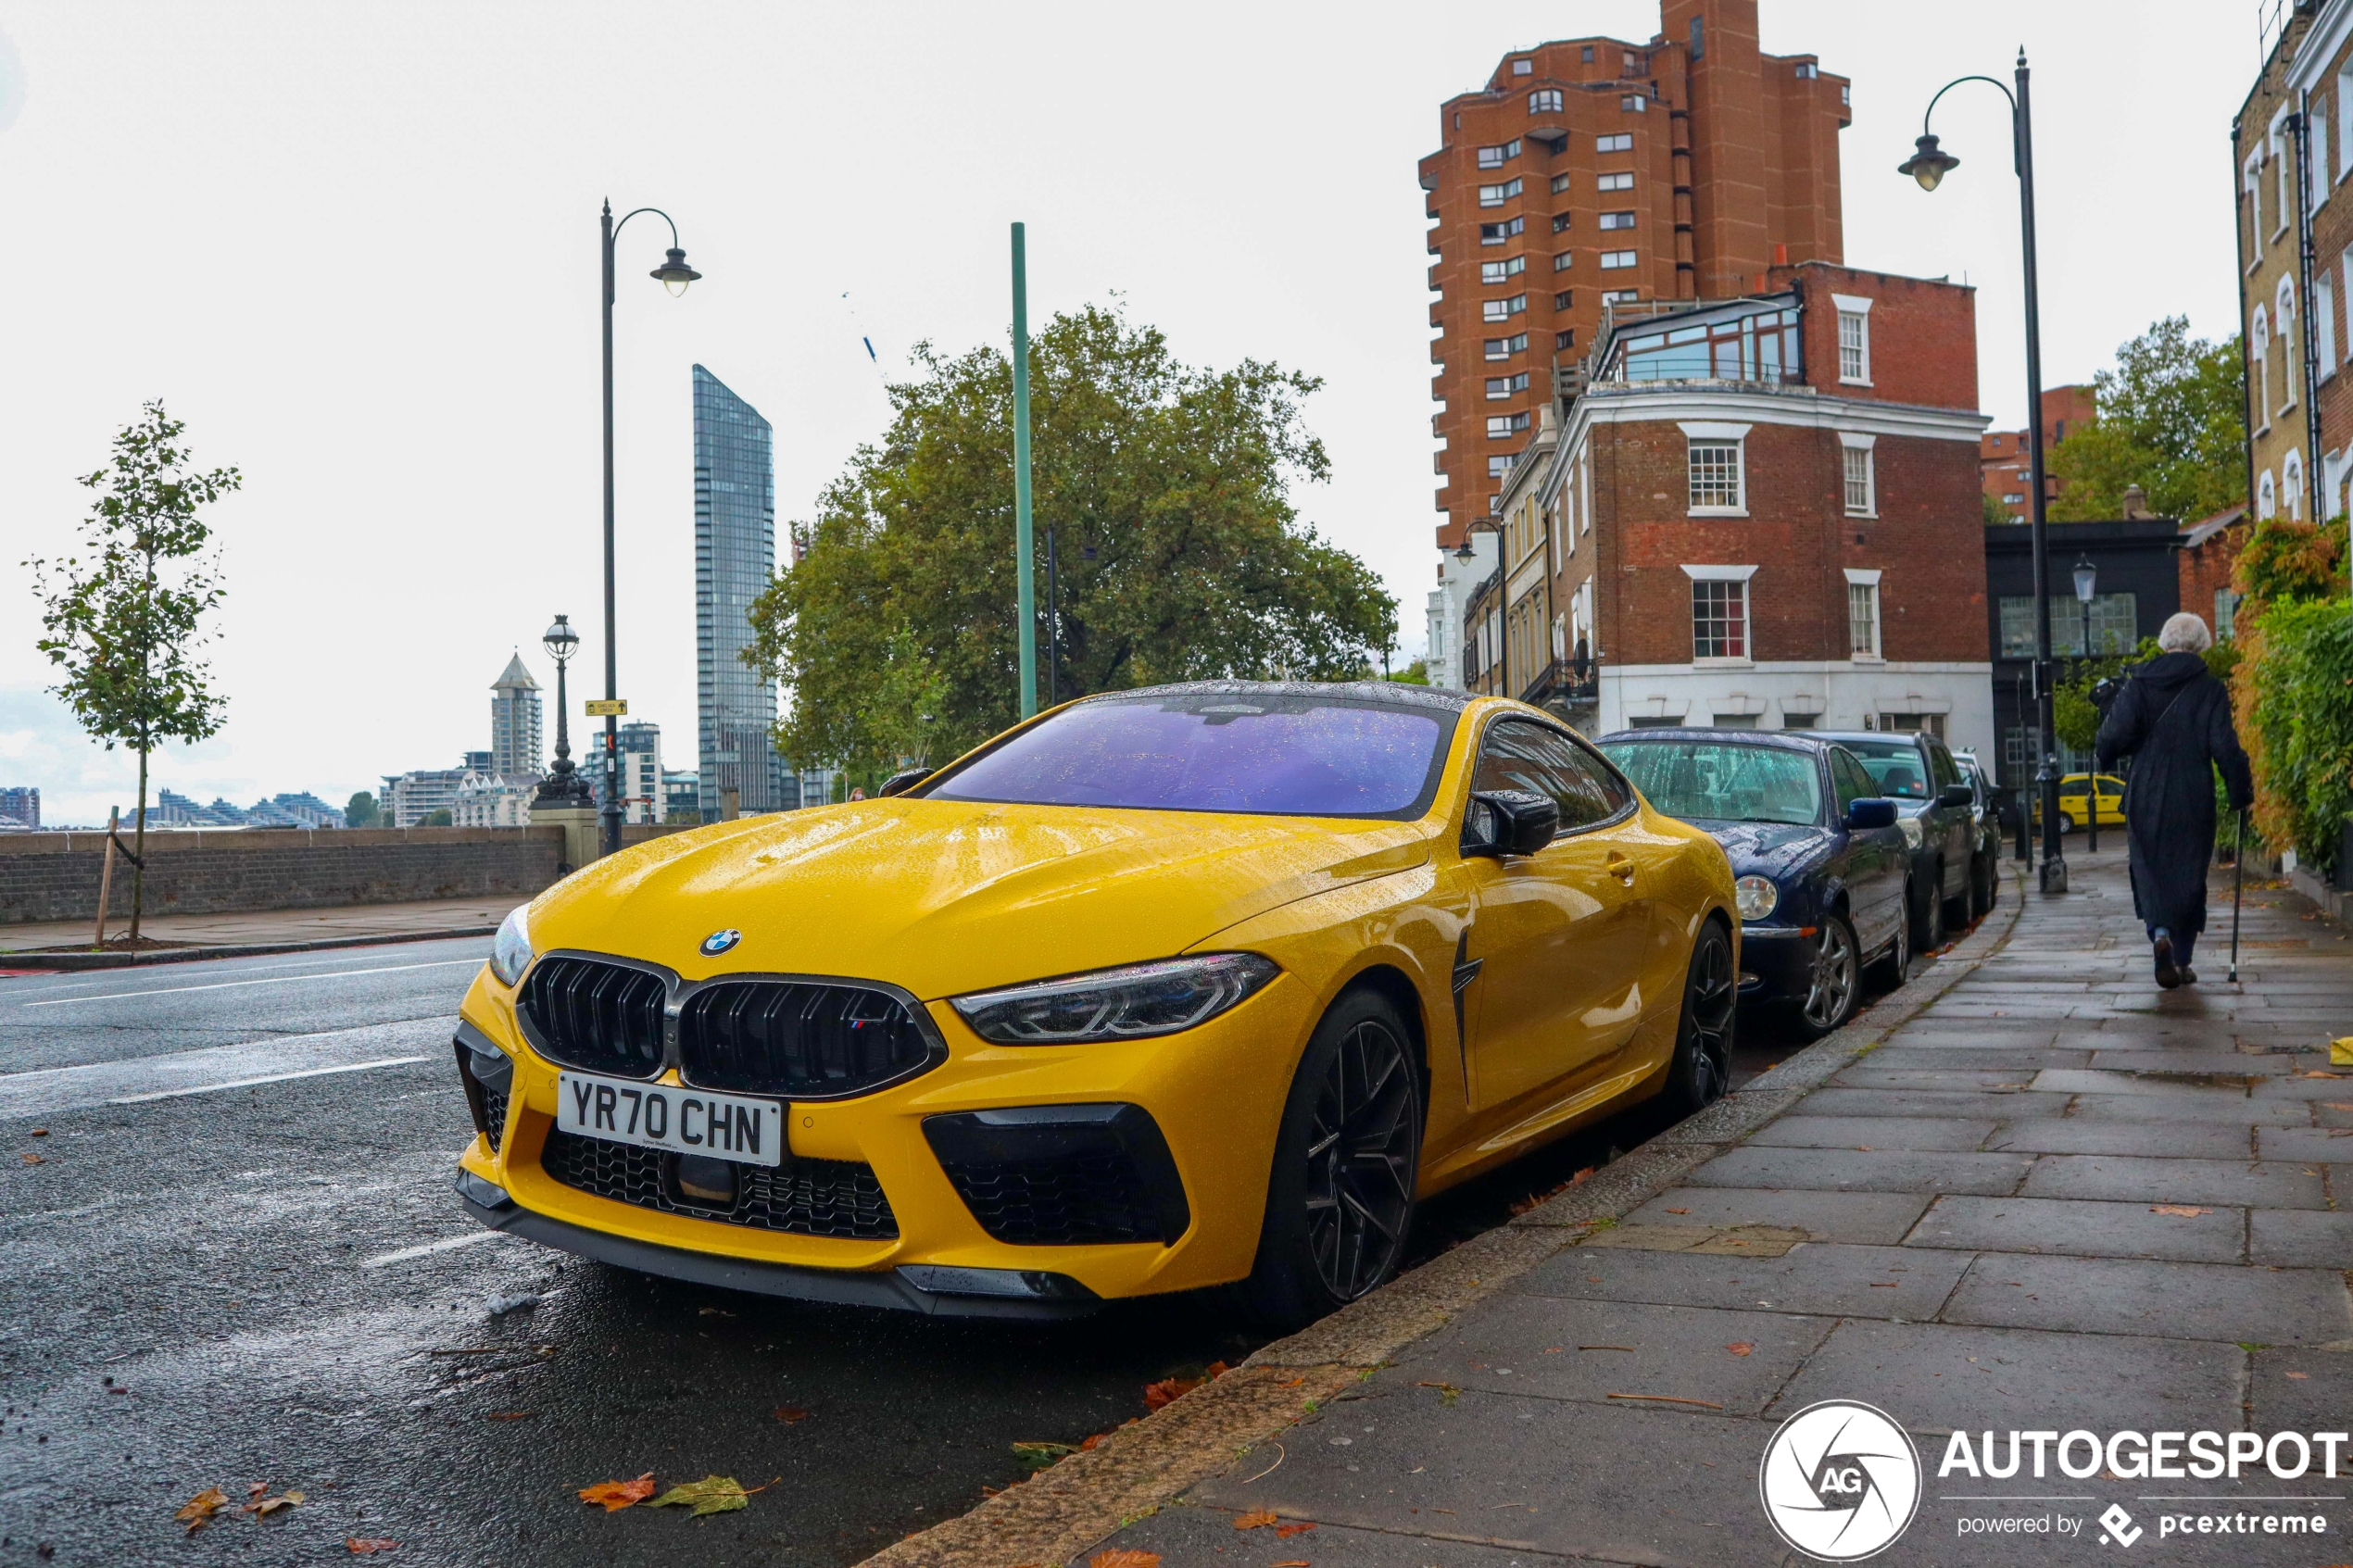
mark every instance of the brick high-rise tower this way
{"type": "Point", "coordinates": [1592, 168]}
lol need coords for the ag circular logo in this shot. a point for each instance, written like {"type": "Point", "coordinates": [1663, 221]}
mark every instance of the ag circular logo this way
{"type": "Point", "coordinates": [719, 942]}
{"type": "Point", "coordinates": [1840, 1481]}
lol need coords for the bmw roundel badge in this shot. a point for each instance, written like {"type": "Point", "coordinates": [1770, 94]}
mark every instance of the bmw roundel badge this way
{"type": "Point", "coordinates": [719, 942]}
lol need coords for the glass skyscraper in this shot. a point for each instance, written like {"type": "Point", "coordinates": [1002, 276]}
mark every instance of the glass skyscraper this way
{"type": "Point", "coordinates": [735, 553]}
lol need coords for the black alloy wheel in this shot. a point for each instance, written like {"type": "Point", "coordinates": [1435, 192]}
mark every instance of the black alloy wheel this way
{"type": "Point", "coordinates": [1340, 1198]}
{"type": "Point", "coordinates": [1701, 1069]}
{"type": "Point", "coordinates": [1981, 886]}
{"type": "Point", "coordinates": [1834, 980]}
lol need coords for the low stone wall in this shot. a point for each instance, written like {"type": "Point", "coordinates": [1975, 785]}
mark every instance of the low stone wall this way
{"type": "Point", "coordinates": [49, 876]}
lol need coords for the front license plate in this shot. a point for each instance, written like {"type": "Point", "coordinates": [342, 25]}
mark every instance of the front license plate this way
{"type": "Point", "coordinates": [664, 1116]}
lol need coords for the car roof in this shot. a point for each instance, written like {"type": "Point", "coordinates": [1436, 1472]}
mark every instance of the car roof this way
{"type": "Point", "coordinates": [1780, 740]}
{"type": "Point", "coordinates": [1398, 692]}
{"type": "Point", "coordinates": [1841, 737]}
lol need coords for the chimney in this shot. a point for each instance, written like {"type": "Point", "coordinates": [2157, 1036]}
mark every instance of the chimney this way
{"type": "Point", "coordinates": [1780, 255]}
{"type": "Point", "coordinates": [2136, 504]}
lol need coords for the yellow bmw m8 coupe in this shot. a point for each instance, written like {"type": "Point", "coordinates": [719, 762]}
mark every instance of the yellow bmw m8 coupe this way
{"type": "Point", "coordinates": [1192, 986]}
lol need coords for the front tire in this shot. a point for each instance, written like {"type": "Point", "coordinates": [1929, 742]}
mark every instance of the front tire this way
{"type": "Point", "coordinates": [1834, 982]}
{"type": "Point", "coordinates": [1340, 1198]}
{"type": "Point", "coordinates": [1894, 965]}
{"type": "Point", "coordinates": [1701, 1069]}
{"type": "Point", "coordinates": [1982, 875]}
{"type": "Point", "coordinates": [1928, 919]}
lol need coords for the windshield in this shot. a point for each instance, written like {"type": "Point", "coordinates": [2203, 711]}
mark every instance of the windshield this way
{"type": "Point", "coordinates": [1894, 765]}
{"type": "Point", "coordinates": [1733, 783]}
{"type": "Point", "coordinates": [1272, 753]}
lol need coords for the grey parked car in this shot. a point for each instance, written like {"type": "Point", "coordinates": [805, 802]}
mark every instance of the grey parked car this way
{"type": "Point", "coordinates": [1985, 868]}
{"type": "Point", "coordinates": [1937, 811]}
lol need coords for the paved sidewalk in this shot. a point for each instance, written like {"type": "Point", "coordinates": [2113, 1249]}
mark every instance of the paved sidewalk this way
{"type": "Point", "coordinates": [2056, 1199]}
{"type": "Point", "coordinates": [431, 916]}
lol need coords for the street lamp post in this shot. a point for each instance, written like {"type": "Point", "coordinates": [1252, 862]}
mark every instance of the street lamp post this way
{"type": "Point", "coordinates": [2087, 583]}
{"type": "Point", "coordinates": [675, 275]}
{"type": "Point", "coordinates": [563, 785]}
{"type": "Point", "coordinates": [1929, 165]}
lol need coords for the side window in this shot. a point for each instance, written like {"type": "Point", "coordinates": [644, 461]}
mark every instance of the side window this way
{"type": "Point", "coordinates": [1852, 783]}
{"type": "Point", "coordinates": [1522, 756]}
{"type": "Point", "coordinates": [1948, 771]}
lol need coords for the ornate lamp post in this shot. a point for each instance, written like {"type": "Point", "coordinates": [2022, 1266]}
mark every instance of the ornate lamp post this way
{"type": "Point", "coordinates": [2087, 583]}
{"type": "Point", "coordinates": [563, 785]}
{"type": "Point", "coordinates": [1929, 165]}
{"type": "Point", "coordinates": [675, 275]}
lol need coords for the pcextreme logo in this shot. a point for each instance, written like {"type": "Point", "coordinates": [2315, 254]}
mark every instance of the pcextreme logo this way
{"type": "Point", "coordinates": [1840, 1481]}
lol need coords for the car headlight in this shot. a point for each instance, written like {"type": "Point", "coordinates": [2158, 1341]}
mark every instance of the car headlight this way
{"type": "Point", "coordinates": [1755, 896]}
{"type": "Point", "coordinates": [1911, 826]}
{"type": "Point", "coordinates": [1129, 1003]}
{"type": "Point", "coordinates": [511, 949]}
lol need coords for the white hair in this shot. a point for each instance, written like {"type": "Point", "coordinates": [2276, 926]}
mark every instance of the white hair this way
{"type": "Point", "coordinates": [2185, 634]}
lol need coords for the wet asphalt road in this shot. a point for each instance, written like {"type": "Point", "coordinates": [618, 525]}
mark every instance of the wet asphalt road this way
{"type": "Point", "coordinates": [223, 1271]}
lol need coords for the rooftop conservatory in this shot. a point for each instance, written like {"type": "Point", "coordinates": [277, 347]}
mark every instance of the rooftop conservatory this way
{"type": "Point", "coordinates": [1746, 340]}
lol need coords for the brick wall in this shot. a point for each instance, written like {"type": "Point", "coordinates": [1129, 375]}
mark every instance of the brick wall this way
{"type": "Point", "coordinates": [1927, 541]}
{"type": "Point", "coordinates": [2205, 567]}
{"type": "Point", "coordinates": [46, 876]}
{"type": "Point", "coordinates": [1923, 335]}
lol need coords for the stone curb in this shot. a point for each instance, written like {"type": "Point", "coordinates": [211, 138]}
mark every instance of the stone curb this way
{"type": "Point", "coordinates": [227, 950]}
{"type": "Point", "coordinates": [1044, 1522]}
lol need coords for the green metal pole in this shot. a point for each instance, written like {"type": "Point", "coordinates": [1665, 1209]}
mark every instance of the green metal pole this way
{"type": "Point", "coordinates": [1027, 613]}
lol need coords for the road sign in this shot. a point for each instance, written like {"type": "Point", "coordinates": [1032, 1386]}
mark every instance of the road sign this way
{"type": "Point", "coordinates": [607, 708]}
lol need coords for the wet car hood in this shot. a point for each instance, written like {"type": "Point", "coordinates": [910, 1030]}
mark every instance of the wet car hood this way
{"type": "Point", "coordinates": [946, 896]}
{"type": "Point", "coordinates": [1774, 850]}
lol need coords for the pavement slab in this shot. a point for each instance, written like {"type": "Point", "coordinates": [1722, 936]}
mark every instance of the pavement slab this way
{"type": "Point", "coordinates": [1879, 1132]}
{"type": "Point", "coordinates": [1938, 1377]}
{"type": "Point", "coordinates": [1860, 1169]}
{"type": "Point", "coordinates": [1918, 1102]}
{"type": "Point", "coordinates": [2306, 1146]}
{"type": "Point", "coordinates": [2301, 1238]}
{"type": "Point", "coordinates": [2178, 1300]}
{"type": "Point", "coordinates": [2165, 1140]}
{"type": "Point", "coordinates": [2202, 1105]}
{"type": "Point", "coordinates": [2265, 1184]}
{"type": "Point", "coordinates": [1882, 1217]}
{"type": "Point", "coordinates": [1820, 1277]}
{"type": "Point", "coordinates": [2083, 1230]}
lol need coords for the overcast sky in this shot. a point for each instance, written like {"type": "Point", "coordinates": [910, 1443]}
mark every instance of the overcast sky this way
{"type": "Point", "coordinates": [354, 246]}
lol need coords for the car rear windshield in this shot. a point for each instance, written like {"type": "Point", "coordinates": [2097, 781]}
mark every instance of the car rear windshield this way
{"type": "Point", "coordinates": [1728, 784]}
{"type": "Point", "coordinates": [1275, 754]}
{"type": "Point", "coordinates": [1894, 765]}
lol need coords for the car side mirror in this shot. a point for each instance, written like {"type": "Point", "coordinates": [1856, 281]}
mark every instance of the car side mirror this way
{"type": "Point", "coordinates": [901, 782]}
{"type": "Point", "coordinates": [1957, 795]}
{"type": "Point", "coordinates": [1871, 812]}
{"type": "Point", "coordinates": [1510, 821]}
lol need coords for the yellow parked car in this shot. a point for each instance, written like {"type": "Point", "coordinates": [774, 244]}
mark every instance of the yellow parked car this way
{"type": "Point", "coordinates": [1192, 986]}
{"type": "Point", "coordinates": [2075, 802]}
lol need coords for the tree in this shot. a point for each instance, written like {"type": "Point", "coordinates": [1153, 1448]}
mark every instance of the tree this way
{"type": "Point", "coordinates": [122, 617]}
{"type": "Point", "coordinates": [2171, 418]}
{"type": "Point", "coordinates": [437, 818]}
{"type": "Point", "coordinates": [360, 811]}
{"type": "Point", "coordinates": [895, 632]}
{"type": "Point", "coordinates": [1995, 514]}
{"type": "Point", "coordinates": [1414, 674]}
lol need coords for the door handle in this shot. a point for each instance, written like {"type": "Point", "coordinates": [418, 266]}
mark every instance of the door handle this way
{"type": "Point", "coordinates": [1620, 867]}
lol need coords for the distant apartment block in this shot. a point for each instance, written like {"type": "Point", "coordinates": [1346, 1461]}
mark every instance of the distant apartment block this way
{"type": "Point", "coordinates": [407, 798]}
{"type": "Point", "coordinates": [1593, 171]}
{"type": "Point", "coordinates": [734, 554]}
{"type": "Point", "coordinates": [492, 800]}
{"type": "Point", "coordinates": [681, 795]}
{"type": "Point", "coordinates": [515, 747]}
{"type": "Point", "coordinates": [20, 806]}
{"type": "Point", "coordinates": [2002, 453]}
{"type": "Point", "coordinates": [171, 809]}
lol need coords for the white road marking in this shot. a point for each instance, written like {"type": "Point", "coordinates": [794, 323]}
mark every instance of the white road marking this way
{"type": "Point", "coordinates": [271, 1078]}
{"type": "Point", "coordinates": [446, 1244]}
{"type": "Point", "coordinates": [274, 980]}
{"type": "Point", "coordinates": [45, 1090]}
{"type": "Point", "coordinates": [287, 964]}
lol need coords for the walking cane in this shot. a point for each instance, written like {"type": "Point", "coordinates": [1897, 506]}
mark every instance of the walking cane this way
{"type": "Point", "coordinates": [2239, 873]}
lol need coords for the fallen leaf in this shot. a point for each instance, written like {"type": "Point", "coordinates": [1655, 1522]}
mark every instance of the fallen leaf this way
{"type": "Point", "coordinates": [1254, 1521]}
{"type": "Point", "coordinates": [2301, 1376]}
{"type": "Point", "coordinates": [32, 1159]}
{"type": "Point", "coordinates": [197, 1512]}
{"type": "Point", "coordinates": [2184, 1209]}
{"type": "Point", "coordinates": [1447, 1392]}
{"type": "Point", "coordinates": [1037, 1456]}
{"type": "Point", "coordinates": [1578, 1179]}
{"type": "Point", "coordinates": [1294, 1562]}
{"type": "Point", "coordinates": [1216, 1368]}
{"type": "Point", "coordinates": [41, 1131]}
{"type": "Point", "coordinates": [1865, 1148]}
{"type": "Point", "coordinates": [1168, 1390]}
{"type": "Point", "coordinates": [2338, 1104]}
{"type": "Point", "coordinates": [1887, 1285]}
{"type": "Point", "coordinates": [263, 1508]}
{"type": "Point", "coordinates": [1741, 1346]}
{"type": "Point", "coordinates": [1124, 1557]}
{"type": "Point", "coordinates": [712, 1494]}
{"type": "Point", "coordinates": [1285, 1532]}
{"type": "Point", "coordinates": [1292, 1384]}
{"type": "Point", "coordinates": [618, 1495]}
{"type": "Point", "coordinates": [359, 1547]}
{"type": "Point", "coordinates": [790, 1414]}
{"type": "Point", "coordinates": [257, 1488]}
{"type": "Point", "coordinates": [1679, 1210]}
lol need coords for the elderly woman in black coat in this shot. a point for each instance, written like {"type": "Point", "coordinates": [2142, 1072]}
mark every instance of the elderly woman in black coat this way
{"type": "Point", "coordinates": [2175, 719]}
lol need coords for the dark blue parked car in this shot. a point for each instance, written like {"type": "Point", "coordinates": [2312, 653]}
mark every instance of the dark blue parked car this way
{"type": "Point", "coordinates": [1819, 864]}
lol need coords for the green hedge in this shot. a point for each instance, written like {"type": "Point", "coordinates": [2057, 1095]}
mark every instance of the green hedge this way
{"type": "Point", "coordinates": [2298, 699]}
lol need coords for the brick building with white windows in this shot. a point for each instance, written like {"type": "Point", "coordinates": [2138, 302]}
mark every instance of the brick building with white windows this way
{"type": "Point", "coordinates": [1758, 513]}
